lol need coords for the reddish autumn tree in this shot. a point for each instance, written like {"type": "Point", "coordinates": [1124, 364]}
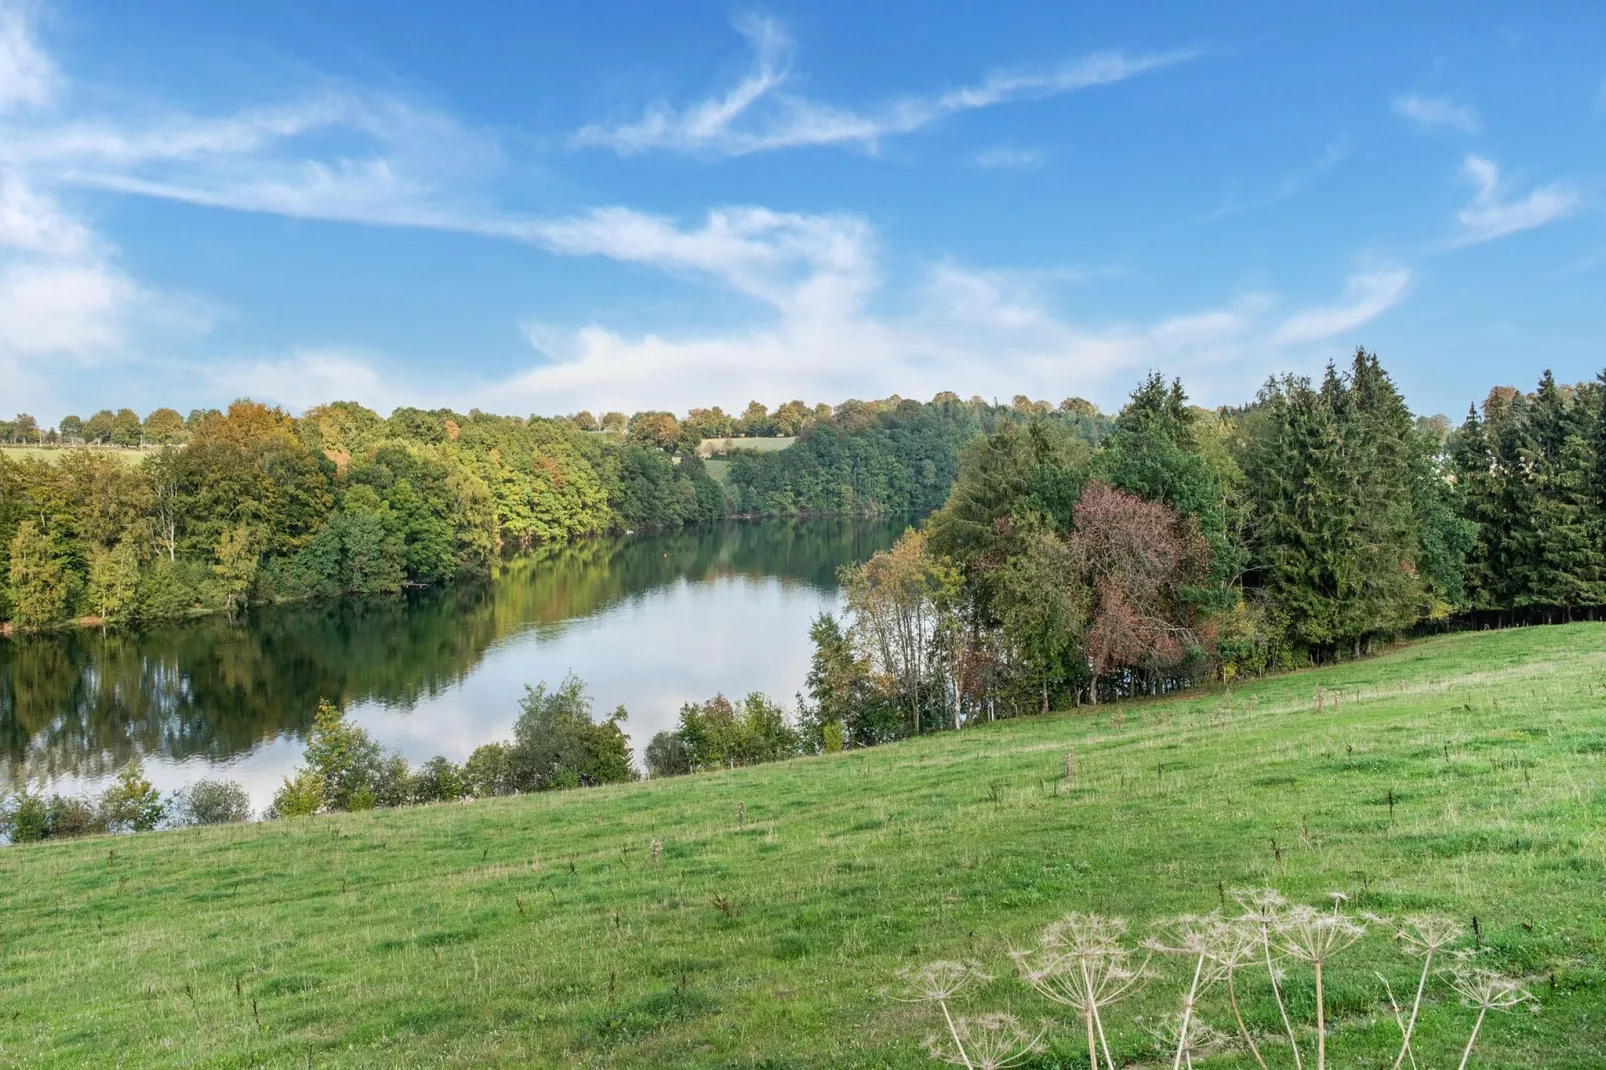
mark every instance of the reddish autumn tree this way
{"type": "Point", "coordinates": [1141, 558]}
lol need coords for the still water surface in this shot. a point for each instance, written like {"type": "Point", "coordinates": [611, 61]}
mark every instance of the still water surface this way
{"type": "Point", "coordinates": [649, 622]}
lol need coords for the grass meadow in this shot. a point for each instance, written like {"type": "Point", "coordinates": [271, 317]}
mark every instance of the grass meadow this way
{"type": "Point", "coordinates": [714, 447]}
{"type": "Point", "coordinates": [52, 454]}
{"type": "Point", "coordinates": [1461, 774]}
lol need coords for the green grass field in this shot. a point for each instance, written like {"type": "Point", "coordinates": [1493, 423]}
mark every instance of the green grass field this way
{"type": "Point", "coordinates": [537, 931]}
{"type": "Point", "coordinates": [714, 447]}
{"type": "Point", "coordinates": [56, 453]}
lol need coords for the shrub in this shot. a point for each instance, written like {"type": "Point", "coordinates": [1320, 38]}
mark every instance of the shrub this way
{"type": "Point", "coordinates": [489, 771]}
{"type": "Point", "coordinates": [346, 761]}
{"type": "Point", "coordinates": [24, 818]}
{"type": "Point", "coordinates": [211, 802]}
{"type": "Point", "coordinates": [667, 755]}
{"type": "Point", "coordinates": [832, 736]}
{"type": "Point", "coordinates": [719, 733]}
{"type": "Point", "coordinates": [392, 785]}
{"type": "Point", "coordinates": [69, 816]}
{"type": "Point", "coordinates": [27, 818]}
{"type": "Point", "coordinates": [131, 803]}
{"type": "Point", "coordinates": [438, 780]}
{"type": "Point", "coordinates": [556, 744]}
{"type": "Point", "coordinates": [298, 796]}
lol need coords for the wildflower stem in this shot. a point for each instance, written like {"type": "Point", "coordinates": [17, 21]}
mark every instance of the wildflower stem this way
{"type": "Point", "coordinates": [1321, 1022]}
{"type": "Point", "coordinates": [1410, 1026]}
{"type": "Point", "coordinates": [1243, 1030]}
{"type": "Point", "coordinates": [953, 1032]}
{"type": "Point", "coordinates": [1092, 1010]}
{"type": "Point", "coordinates": [1187, 1015]}
{"type": "Point", "coordinates": [1473, 1039]}
{"type": "Point", "coordinates": [1271, 971]}
{"type": "Point", "coordinates": [1098, 1022]}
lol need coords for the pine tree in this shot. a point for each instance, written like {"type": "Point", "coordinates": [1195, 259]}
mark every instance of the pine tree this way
{"type": "Point", "coordinates": [1380, 443]}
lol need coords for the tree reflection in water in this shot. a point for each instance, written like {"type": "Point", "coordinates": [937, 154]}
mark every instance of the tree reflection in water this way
{"type": "Point", "coordinates": [81, 704]}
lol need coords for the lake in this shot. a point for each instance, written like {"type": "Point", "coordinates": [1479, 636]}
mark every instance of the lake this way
{"type": "Point", "coordinates": [647, 621]}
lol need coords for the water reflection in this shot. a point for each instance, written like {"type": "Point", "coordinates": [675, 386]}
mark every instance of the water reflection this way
{"type": "Point", "coordinates": [647, 621]}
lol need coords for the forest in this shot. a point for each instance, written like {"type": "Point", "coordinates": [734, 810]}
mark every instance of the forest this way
{"type": "Point", "coordinates": [227, 508]}
{"type": "Point", "coordinates": [1313, 521]}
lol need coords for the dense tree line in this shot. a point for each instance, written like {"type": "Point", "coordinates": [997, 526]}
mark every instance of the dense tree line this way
{"type": "Point", "coordinates": [258, 506]}
{"type": "Point", "coordinates": [884, 457]}
{"type": "Point", "coordinates": [251, 505]}
{"type": "Point", "coordinates": [1312, 524]}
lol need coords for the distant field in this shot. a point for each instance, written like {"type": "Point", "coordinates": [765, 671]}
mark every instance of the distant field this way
{"type": "Point", "coordinates": [710, 447]}
{"type": "Point", "coordinates": [55, 453]}
{"type": "Point", "coordinates": [718, 468]}
{"type": "Point", "coordinates": [1464, 774]}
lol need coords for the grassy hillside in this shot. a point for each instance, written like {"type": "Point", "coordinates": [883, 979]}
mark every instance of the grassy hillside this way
{"type": "Point", "coordinates": [130, 456]}
{"type": "Point", "coordinates": [715, 447]}
{"type": "Point", "coordinates": [538, 930]}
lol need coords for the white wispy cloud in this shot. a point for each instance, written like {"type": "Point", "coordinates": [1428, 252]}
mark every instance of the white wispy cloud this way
{"type": "Point", "coordinates": [1436, 112]}
{"type": "Point", "coordinates": [1491, 216]}
{"type": "Point", "coordinates": [1004, 158]}
{"type": "Point", "coordinates": [963, 329]}
{"type": "Point", "coordinates": [1366, 296]}
{"type": "Point", "coordinates": [826, 324]}
{"type": "Point", "coordinates": [27, 75]}
{"type": "Point", "coordinates": [759, 114]}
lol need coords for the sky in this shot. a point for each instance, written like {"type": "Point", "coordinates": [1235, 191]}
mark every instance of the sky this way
{"type": "Point", "coordinates": [537, 209]}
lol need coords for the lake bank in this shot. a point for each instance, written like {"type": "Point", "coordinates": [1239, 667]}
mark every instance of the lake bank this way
{"type": "Point", "coordinates": [650, 621]}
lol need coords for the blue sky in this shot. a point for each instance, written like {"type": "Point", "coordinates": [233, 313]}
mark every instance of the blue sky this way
{"type": "Point", "coordinates": [542, 208]}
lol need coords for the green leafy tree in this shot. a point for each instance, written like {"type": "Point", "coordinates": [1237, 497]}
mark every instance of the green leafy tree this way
{"type": "Point", "coordinates": [131, 803]}
{"type": "Point", "coordinates": [235, 566]}
{"type": "Point", "coordinates": [127, 429]}
{"type": "Point", "coordinates": [300, 795]}
{"type": "Point", "coordinates": [114, 581]}
{"type": "Point", "coordinates": [557, 744]}
{"type": "Point", "coordinates": [489, 771]}
{"type": "Point", "coordinates": [164, 427]}
{"type": "Point", "coordinates": [99, 427]}
{"type": "Point", "coordinates": [343, 758]}
{"type": "Point", "coordinates": [39, 585]}
{"type": "Point", "coordinates": [659, 429]}
{"type": "Point", "coordinates": [437, 780]}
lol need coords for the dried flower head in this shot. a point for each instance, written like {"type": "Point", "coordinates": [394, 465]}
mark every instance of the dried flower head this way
{"type": "Point", "coordinates": [1315, 936]}
{"type": "Point", "coordinates": [1082, 961]}
{"type": "Point", "coordinates": [1259, 905]}
{"type": "Point", "coordinates": [1189, 1036]}
{"type": "Point", "coordinates": [937, 981]}
{"type": "Point", "coordinates": [1422, 934]}
{"type": "Point", "coordinates": [991, 1042]}
{"type": "Point", "coordinates": [1488, 990]}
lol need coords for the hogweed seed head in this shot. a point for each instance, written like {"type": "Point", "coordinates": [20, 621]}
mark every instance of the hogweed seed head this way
{"type": "Point", "coordinates": [1487, 990]}
{"type": "Point", "coordinates": [937, 981]}
{"type": "Point", "coordinates": [1314, 936]}
{"type": "Point", "coordinates": [1262, 906]}
{"type": "Point", "coordinates": [1200, 1041]}
{"type": "Point", "coordinates": [1421, 934]}
{"type": "Point", "coordinates": [991, 1042]}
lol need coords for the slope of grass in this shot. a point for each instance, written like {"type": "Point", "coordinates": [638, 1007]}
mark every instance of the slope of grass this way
{"type": "Point", "coordinates": [714, 447]}
{"type": "Point", "coordinates": [129, 456]}
{"type": "Point", "coordinates": [538, 930]}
